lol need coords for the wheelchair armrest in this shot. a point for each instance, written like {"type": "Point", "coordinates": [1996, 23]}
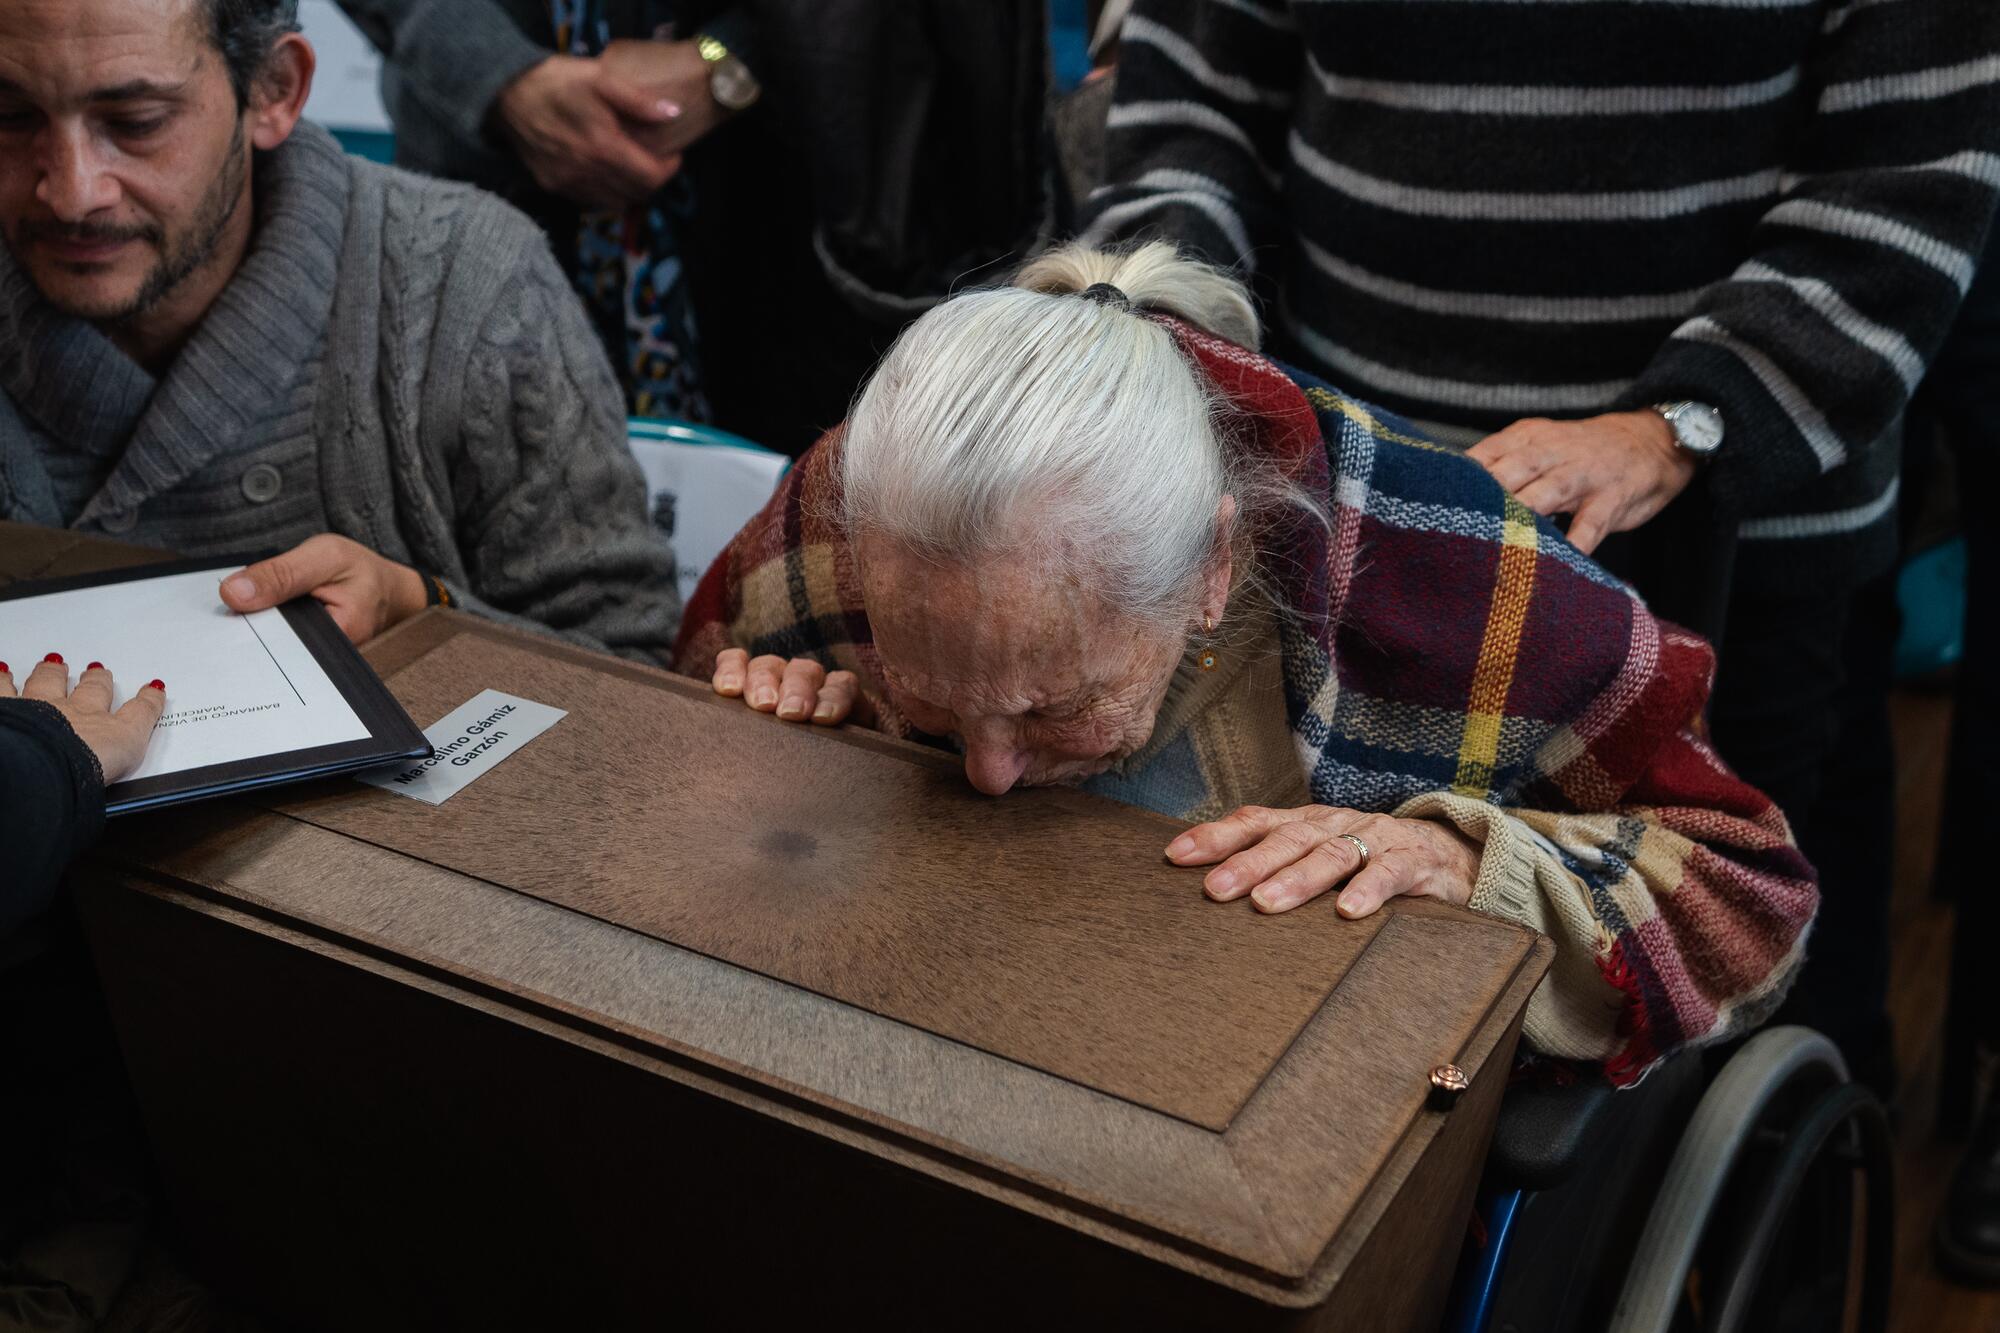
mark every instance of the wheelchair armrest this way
{"type": "Point", "coordinates": [1547, 1129]}
{"type": "Point", "coordinates": [1543, 1130]}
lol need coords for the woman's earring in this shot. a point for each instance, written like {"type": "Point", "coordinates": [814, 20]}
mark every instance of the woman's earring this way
{"type": "Point", "coordinates": [1207, 658]}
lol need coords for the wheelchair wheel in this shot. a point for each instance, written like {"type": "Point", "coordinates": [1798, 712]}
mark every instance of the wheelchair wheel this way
{"type": "Point", "coordinates": [1778, 1160]}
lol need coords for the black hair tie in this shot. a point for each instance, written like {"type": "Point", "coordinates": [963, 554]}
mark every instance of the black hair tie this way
{"type": "Point", "coordinates": [1103, 293]}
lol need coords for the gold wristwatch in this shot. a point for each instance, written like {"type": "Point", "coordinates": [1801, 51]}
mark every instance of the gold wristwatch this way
{"type": "Point", "coordinates": [729, 79]}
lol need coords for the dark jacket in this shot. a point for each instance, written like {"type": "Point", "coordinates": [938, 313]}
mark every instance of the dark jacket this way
{"type": "Point", "coordinates": [922, 123]}
{"type": "Point", "coordinates": [918, 122]}
{"type": "Point", "coordinates": [445, 61]}
{"type": "Point", "coordinates": [51, 805]}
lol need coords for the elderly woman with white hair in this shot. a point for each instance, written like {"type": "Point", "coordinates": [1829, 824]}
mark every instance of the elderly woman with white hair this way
{"type": "Point", "coordinates": [1079, 529]}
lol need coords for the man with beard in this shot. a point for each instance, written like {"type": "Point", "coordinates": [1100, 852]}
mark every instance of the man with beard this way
{"type": "Point", "coordinates": [219, 333]}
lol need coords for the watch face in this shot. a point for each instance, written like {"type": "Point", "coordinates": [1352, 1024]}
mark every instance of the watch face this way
{"type": "Point", "coordinates": [733, 84]}
{"type": "Point", "coordinates": [1699, 427]}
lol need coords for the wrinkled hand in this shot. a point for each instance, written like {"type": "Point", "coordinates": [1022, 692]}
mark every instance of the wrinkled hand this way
{"type": "Point", "coordinates": [365, 592]}
{"type": "Point", "coordinates": [1282, 858]}
{"type": "Point", "coordinates": [800, 690]}
{"type": "Point", "coordinates": [1609, 473]}
{"type": "Point", "coordinates": [118, 739]}
{"type": "Point", "coordinates": [575, 124]}
{"type": "Point", "coordinates": [676, 72]}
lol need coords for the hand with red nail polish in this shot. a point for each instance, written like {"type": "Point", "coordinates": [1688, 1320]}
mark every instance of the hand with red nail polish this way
{"type": "Point", "coordinates": [117, 737]}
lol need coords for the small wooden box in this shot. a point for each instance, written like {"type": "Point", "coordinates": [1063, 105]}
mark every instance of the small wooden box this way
{"type": "Point", "coordinates": [685, 1016]}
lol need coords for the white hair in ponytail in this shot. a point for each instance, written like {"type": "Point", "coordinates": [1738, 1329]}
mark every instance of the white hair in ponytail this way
{"type": "Point", "coordinates": [1030, 421]}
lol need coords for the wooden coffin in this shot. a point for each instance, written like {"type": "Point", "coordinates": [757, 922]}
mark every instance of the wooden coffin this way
{"type": "Point", "coordinates": [683, 1016]}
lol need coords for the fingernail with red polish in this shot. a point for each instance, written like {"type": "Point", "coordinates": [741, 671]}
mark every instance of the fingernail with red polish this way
{"type": "Point", "coordinates": [94, 666]}
{"type": "Point", "coordinates": [54, 657]}
{"type": "Point", "coordinates": [159, 685]}
{"type": "Point", "coordinates": [3, 668]}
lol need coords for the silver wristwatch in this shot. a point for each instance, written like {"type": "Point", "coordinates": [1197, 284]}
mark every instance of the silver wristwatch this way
{"type": "Point", "coordinates": [1697, 427]}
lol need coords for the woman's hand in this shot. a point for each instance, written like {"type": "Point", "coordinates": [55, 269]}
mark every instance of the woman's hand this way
{"type": "Point", "coordinates": [117, 739]}
{"type": "Point", "coordinates": [365, 592]}
{"type": "Point", "coordinates": [579, 128]}
{"type": "Point", "coordinates": [674, 73]}
{"type": "Point", "coordinates": [800, 690]}
{"type": "Point", "coordinates": [1282, 858]}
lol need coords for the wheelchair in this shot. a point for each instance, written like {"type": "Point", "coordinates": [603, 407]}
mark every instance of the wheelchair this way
{"type": "Point", "coordinates": [1759, 1199]}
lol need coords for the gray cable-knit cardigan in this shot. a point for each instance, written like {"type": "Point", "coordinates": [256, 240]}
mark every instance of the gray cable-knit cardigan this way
{"type": "Point", "coordinates": [398, 360]}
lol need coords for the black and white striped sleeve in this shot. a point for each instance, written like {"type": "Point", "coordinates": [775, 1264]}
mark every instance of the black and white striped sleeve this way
{"type": "Point", "coordinates": [1815, 342]}
{"type": "Point", "coordinates": [1196, 133]}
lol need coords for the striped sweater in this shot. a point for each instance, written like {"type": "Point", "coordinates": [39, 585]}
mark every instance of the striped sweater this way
{"type": "Point", "coordinates": [1475, 211]}
{"type": "Point", "coordinates": [1445, 654]}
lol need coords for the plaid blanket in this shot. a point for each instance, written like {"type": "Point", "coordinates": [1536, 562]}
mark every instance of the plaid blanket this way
{"type": "Point", "coordinates": [1450, 652]}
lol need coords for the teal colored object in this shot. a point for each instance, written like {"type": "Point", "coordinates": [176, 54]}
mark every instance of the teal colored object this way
{"type": "Point", "coordinates": [1069, 43]}
{"type": "Point", "coordinates": [691, 432]}
{"type": "Point", "coordinates": [375, 145]}
{"type": "Point", "coordinates": [1930, 591]}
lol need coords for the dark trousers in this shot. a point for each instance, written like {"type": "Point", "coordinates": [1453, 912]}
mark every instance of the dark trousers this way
{"type": "Point", "coordinates": [1966, 868]}
{"type": "Point", "coordinates": [1801, 710]}
{"type": "Point", "coordinates": [1958, 412]}
{"type": "Point", "coordinates": [74, 1181]}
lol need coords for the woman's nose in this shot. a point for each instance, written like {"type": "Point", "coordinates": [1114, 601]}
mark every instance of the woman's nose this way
{"type": "Point", "coordinates": [994, 769]}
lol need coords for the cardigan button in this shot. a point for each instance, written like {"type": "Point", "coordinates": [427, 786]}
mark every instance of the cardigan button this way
{"type": "Point", "coordinates": [261, 484]}
{"type": "Point", "coordinates": [123, 520]}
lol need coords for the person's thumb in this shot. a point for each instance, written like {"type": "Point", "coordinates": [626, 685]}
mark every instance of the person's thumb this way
{"type": "Point", "coordinates": [297, 572]}
{"type": "Point", "coordinates": [636, 103]}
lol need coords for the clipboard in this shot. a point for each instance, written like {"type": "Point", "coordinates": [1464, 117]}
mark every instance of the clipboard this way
{"type": "Point", "coordinates": [391, 736]}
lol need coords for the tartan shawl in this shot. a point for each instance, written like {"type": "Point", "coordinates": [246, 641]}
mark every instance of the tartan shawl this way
{"type": "Point", "coordinates": [1445, 639]}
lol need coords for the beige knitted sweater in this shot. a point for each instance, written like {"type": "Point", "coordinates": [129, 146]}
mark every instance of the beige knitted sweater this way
{"type": "Point", "coordinates": [1222, 741]}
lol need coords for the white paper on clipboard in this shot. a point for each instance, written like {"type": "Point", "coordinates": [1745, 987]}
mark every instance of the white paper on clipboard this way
{"type": "Point", "coordinates": [238, 687]}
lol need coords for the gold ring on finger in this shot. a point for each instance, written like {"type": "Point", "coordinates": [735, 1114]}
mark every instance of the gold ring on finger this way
{"type": "Point", "coordinates": [1359, 846]}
